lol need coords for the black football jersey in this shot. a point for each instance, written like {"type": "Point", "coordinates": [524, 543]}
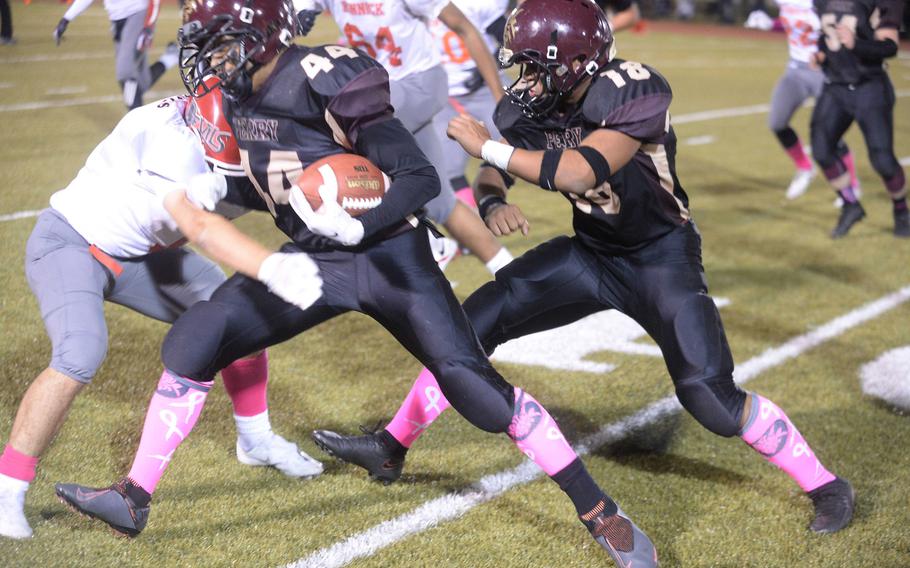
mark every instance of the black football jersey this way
{"type": "Point", "coordinates": [643, 200]}
{"type": "Point", "coordinates": [320, 101]}
{"type": "Point", "coordinates": [864, 17]}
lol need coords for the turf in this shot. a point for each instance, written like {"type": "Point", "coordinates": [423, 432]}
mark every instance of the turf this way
{"type": "Point", "coordinates": [705, 501]}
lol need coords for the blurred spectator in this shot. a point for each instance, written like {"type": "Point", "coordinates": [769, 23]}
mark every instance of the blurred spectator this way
{"type": "Point", "coordinates": [6, 24]}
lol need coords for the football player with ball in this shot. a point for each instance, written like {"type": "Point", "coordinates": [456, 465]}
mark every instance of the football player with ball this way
{"type": "Point", "coordinates": [290, 106]}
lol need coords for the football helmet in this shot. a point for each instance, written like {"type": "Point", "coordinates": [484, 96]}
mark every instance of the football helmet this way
{"type": "Point", "coordinates": [558, 43]}
{"type": "Point", "coordinates": [241, 36]}
{"type": "Point", "coordinates": [205, 116]}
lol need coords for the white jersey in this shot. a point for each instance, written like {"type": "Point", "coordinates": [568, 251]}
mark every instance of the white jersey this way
{"type": "Point", "coordinates": [394, 32]}
{"type": "Point", "coordinates": [116, 200]}
{"type": "Point", "coordinates": [802, 26]}
{"type": "Point", "coordinates": [116, 9]}
{"type": "Point", "coordinates": [458, 63]}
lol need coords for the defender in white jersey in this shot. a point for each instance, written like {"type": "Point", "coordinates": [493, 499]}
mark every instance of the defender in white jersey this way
{"type": "Point", "coordinates": [396, 33]}
{"type": "Point", "coordinates": [106, 237]}
{"type": "Point", "coordinates": [132, 27]}
{"type": "Point", "coordinates": [466, 88]}
{"type": "Point", "coordinates": [799, 82]}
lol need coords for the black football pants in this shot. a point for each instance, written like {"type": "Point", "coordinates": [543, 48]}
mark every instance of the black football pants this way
{"type": "Point", "coordinates": [662, 287]}
{"type": "Point", "coordinates": [871, 105]}
{"type": "Point", "coordinates": [396, 282]}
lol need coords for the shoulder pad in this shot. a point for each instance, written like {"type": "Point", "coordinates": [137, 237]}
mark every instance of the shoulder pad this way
{"type": "Point", "coordinates": [506, 115]}
{"type": "Point", "coordinates": [328, 68]}
{"type": "Point", "coordinates": [630, 97]}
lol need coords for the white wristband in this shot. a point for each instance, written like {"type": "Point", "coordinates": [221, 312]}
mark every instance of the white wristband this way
{"type": "Point", "coordinates": [497, 153]}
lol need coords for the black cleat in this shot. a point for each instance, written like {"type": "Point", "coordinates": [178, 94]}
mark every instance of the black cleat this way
{"type": "Point", "coordinates": [373, 452]}
{"type": "Point", "coordinates": [902, 223]}
{"type": "Point", "coordinates": [124, 506]}
{"type": "Point", "coordinates": [626, 544]}
{"type": "Point", "coordinates": [834, 502]}
{"type": "Point", "coordinates": [850, 214]}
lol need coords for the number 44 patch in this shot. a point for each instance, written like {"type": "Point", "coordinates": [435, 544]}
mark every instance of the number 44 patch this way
{"type": "Point", "coordinates": [314, 64]}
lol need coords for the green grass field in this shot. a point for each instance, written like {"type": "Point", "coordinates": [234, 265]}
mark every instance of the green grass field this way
{"type": "Point", "coordinates": [705, 501]}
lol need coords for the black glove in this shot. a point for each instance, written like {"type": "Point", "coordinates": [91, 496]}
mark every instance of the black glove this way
{"type": "Point", "coordinates": [306, 19]}
{"type": "Point", "coordinates": [61, 27]}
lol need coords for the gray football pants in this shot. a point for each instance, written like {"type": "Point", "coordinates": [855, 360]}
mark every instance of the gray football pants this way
{"type": "Point", "coordinates": [480, 105]}
{"type": "Point", "coordinates": [71, 285]}
{"type": "Point", "coordinates": [793, 88]}
{"type": "Point", "coordinates": [417, 99]}
{"type": "Point", "coordinates": [130, 64]}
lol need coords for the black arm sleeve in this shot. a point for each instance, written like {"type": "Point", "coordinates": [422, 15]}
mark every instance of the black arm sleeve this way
{"type": "Point", "coordinates": [390, 146]}
{"type": "Point", "coordinates": [875, 49]}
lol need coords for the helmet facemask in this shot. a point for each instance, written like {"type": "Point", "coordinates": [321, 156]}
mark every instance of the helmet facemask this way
{"type": "Point", "coordinates": [557, 81]}
{"type": "Point", "coordinates": [235, 48]}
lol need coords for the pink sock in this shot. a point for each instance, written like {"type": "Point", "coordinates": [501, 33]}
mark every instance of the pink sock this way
{"type": "Point", "coordinates": [246, 382]}
{"type": "Point", "coordinates": [771, 434]}
{"type": "Point", "coordinates": [17, 465]}
{"type": "Point", "coordinates": [175, 407]}
{"type": "Point", "coordinates": [466, 195]}
{"type": "Point", "coordinates": [537, 435]}
{"type": "Point", "coordinates": [799, 157]}
{"type": "Point", "coordinates": [851, 167]}
{"type": "Point", "coordinates": [422, 406]}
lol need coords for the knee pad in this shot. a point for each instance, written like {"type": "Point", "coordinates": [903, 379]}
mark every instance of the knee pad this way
{"type": "Point", "coordinates": [716, 402]}
{"type": "Point", "coordinates": [702, 367]}
{"type": "Point", "coordinates": [883, 162]}
{"type": "Point", "coordinates": [193, 342]}
{"type": "Point", "coordinates": [785, 135]}
{"type": "Point", "coordinates": [79, 356]}
{"type": "Point", "coordinates": [477, 392]}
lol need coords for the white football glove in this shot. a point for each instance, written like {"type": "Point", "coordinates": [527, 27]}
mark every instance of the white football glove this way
{"type": "Point", "coordinates": [331, 220]}
{"type": "Point", "coordinates": [206, 190]}
{"type": "Point", "coordinates": [294, 277]}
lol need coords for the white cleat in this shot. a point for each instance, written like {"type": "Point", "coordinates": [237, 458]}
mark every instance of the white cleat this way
{"type": "Point", "coordinates": [281, 454]}
{"type": "Point", "coordinates": [13, 523]}
{"type": "Point", "coordinates": [444, 250]}
{"type": "Point", "coordinates": [800, 182]}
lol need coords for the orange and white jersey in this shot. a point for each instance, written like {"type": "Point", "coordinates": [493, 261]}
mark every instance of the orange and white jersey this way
{"type": "Point", "coordinates": [802, 26]}
{"type": "Point", "coordinates": [116, 199]}
{"type": "Point", "coordinates": [455, 57]}
{"type": "Point", "coordinates": [394, 32]}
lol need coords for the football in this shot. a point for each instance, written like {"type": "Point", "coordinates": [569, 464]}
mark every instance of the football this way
{"type": "Point", "coordinates": [360, 185]}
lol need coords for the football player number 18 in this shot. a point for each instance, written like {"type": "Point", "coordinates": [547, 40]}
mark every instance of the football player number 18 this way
{"type": "Point", "coordinates": [633, 70]}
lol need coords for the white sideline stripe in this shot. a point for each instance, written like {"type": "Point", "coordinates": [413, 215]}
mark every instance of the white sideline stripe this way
{"type": "Point", "coordinates": [7, 85]}
{"type": "Point", "coordinates": [452, 506]}
{"type": "Point", "coordinates": [20, 215]}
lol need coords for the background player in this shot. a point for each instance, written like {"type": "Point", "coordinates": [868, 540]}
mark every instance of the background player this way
{"type": "Point", "coordinates": [291, 105]}
{"type": "Point", "coordinates": [132, 27]}
{"type": "Point", "coordinates": [597, 130]}
{"type": "Point", "coordinates": [800, 81]}
{"type": "Point", "coordinates": [857, 37]}
{"type": "Point", "coordinates": [396, 33]}
{"type": "Point", "coordinates": [106, 237]}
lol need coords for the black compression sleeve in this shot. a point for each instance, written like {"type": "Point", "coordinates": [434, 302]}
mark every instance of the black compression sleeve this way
{"type": "Point", "coordinates": [598, 163]}
{"type": "Point", "coordinates": [392, 148]}
{"type": "Point", "coordinates": [875, 48]}
{"type": "Point", "coordinates": [548, 167]}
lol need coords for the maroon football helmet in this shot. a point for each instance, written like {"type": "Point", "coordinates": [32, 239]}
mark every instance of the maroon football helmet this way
{"type": "Point", "coordinates": [558, 42]}
{"type": "Point", "coordinates": [245, 34]}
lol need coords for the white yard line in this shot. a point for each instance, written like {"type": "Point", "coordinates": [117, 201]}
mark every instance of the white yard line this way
{"type": "Point", "coordinates": [905, 161]}
{"type": "Point", "coordinates": [74, 90]}
{"type": "Point", "coordinates": [454, 505]}
{"type": "Point", "coordinates": [79, 101]}
{"type": "Point", "coordinates": [700, 140]}
{"type": "Point", "coordinates": [20, 215]}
